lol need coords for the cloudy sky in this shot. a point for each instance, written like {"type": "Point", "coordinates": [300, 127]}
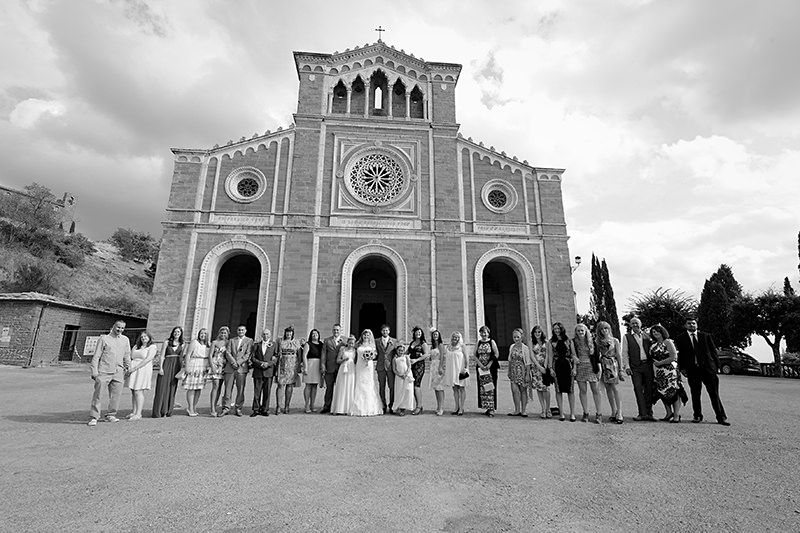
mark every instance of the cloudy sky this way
{"type": "Point", "coordinates": [678, 121]}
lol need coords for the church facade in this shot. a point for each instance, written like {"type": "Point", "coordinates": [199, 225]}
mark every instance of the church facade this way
{"type": "Point", "coordinates": [370, 208]}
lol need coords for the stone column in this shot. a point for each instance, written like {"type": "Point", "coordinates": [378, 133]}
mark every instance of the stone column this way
{"type": "Point", "coordinates": [330, 102]}
{"type": "Point", "coordinates": [390, 90]}
{"type": "Point", "coordinates": [366, 99]}
{"type": "Point", "coordinates": [349, 93]}
{"type": "Point", "coordinates": [408, 104]}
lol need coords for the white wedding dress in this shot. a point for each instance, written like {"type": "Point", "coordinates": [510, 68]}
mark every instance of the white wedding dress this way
{"type": "Point", "coordinates": [366, 401]}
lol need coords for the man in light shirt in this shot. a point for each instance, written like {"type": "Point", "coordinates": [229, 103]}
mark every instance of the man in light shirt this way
{"type": "Point", "coordinates": [237, 364]}
{"type": "Point", "coordinates": [112, 358]}
{"type": "Point", "coordinates": [639, 365]}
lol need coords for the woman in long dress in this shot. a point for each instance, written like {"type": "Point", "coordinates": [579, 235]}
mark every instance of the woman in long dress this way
{"type": "Point", "coordinates": [437, 370]}
{"type": "Point", "coordinates": [366, 401]}
{"type": "Point", "coordinates": [289, 367]}
{"type": "Point", "coordinates": [587, 371]}
{"type": "Point", "coordinates": [610, 352]}
{"type": "Point", "coordinates": [196, 363]}
{"type": "Point", "coordinates": [455, 365]}
{"type": "Point", "coordinates": [312, 351]}
{"type": "Point", "coordinates": [216, 366]}
{"type": "Point", "coordinates": [667, 382]}
{"type": "Point", "coordinates": [486, 365]}
{"type": "Point", "coordinates": [140, 374]}
{"type": "Point", "coordinates": [562, 364]}
{"type": "Point", "coordinates": [345, 383]}
{"type": "Point", "coordinates": [169, 364]}
{"type": "Point", "coordinates": [403, 382]}
{"type": "Point", "coordinates": [418, 352]}
{"type": "Point", "coordinates": [540, 377]}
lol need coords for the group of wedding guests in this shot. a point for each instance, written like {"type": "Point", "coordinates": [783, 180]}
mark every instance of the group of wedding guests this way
{"type": "Point", "coordinates": [356, 372]}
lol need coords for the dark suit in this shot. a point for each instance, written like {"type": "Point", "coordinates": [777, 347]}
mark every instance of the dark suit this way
{"type": "Point", "coordinates": [700, 362]}
{"type": "Point", "coordinates": [237, 360]}
{"type": "Point", "coordinates": [642, 373]}
{"type": "Point", "coordinates": [329, 367]}
{"type": "Point", "coordinates": [383, 363]}
{"type": "Point", "coordinates": [263, 370]}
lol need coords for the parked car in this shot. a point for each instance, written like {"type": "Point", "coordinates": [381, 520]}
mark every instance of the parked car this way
{"type": "Point", "coordinates": [733, 361]}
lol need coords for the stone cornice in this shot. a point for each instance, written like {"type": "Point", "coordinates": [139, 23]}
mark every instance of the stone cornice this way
{"type": "Point", "coordinates": [512, 162]}
{"type": "Point", "coordinates": [196, 155]}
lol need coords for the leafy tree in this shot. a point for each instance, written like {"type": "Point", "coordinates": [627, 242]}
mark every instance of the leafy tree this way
{"type": "Point", "coordinates": [771, 316]}
{"type": "Point", "coordinates": [134, 244]}
{"type": "Point", "coordinates": [602, 304]}
{"type": "Point", "coordinates": [37, 209]}
{"type": "Point", "coordinates": [668, 307]}
{"type": "Point", "coordinates": [714, 312]}
{"type": "Point", "coordinates": [34, 277]}
{"type": "Point", "coordinates": [73, 248]}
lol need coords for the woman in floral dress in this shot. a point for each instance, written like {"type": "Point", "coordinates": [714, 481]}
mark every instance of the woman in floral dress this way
{"type": "Point", "coordinates": [610, 352]}
{"type": "Point", "coordinates": [289, 368]}
{"type": "Point", "coordinates": [587, 371]}
{"type": "Point", "coordinates": [218, 348]}
{"type": "Point", "coordinates": [486, 356]}
{"type": "Point", "coordinates": [540, 378]}
{"type": "Point", "coordinates": [668, 386]}
{"type": "Point", "coordinates": [196, 370]}
{"type": "Point", "coordinates": [519, 373]}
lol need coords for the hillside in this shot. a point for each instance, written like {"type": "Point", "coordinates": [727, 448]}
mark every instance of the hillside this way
{"type": "Point", "coordinates": [105, 279]}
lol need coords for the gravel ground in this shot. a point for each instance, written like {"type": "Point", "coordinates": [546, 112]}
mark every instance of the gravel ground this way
{"type": "Point", "coordinates": [418, 473]}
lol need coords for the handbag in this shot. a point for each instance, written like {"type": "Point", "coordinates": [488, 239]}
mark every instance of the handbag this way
{"type": "Point", "coordinates": [180, 375]}
{"type": "Point", "coordinates": [547, 378]}
{"type": "Point", "coordinates": [463, 375]}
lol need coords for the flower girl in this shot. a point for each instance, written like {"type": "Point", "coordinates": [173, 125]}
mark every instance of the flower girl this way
{"type": "Point", "coordinates": [403, 382]}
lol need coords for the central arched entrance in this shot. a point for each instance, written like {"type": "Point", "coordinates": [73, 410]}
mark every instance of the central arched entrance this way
{"type": "Point", "coordinates": [501, 303]}
{"type": "Point", "coordinates": [373, 295]}
{"type": "Point", "coordinates": [237, 295]}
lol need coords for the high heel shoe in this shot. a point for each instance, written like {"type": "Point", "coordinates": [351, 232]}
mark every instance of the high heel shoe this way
{"type": "Point", "coordinates": [668, 417]}
{"type": "Point", "coordinates": [675, 419]}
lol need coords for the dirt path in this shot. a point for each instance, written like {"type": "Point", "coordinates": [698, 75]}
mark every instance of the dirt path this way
{"type": "Point", "coordinates": [418, 473]}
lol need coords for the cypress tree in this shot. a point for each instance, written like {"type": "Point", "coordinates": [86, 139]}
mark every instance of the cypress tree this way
{"type": "Point", "coordinates": [611, 304]}
{"type": "Point", "coordinates": [788, 290]}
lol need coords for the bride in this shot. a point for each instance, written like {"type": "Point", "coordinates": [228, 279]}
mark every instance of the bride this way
{"type": "Point", "coordinates": [366, 401]}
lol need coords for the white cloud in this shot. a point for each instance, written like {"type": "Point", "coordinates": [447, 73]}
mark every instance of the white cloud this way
{"type": "Point", "coordinates": [27, 112]}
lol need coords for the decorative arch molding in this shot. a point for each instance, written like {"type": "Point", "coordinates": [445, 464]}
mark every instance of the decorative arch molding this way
{"type": "Point", "coordinates": [525, 275]}
{"type": "Point", "coordinates": [209, 279]}
{"type": "Point", "coordinates": [360, 253]}
{"type": "Point", "coordinates": [366, 74]}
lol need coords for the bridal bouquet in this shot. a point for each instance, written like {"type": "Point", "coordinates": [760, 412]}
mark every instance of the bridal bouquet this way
{"type": "Point", "coordinates": [368, 355]}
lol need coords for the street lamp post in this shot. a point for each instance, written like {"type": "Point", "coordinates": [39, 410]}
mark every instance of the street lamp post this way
{"type": "Point", "coordinates": [573, 268]}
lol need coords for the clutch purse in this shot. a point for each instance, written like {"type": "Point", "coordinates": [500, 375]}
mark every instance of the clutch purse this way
{"type": "Point", "coordinates": [180, 375]}
{"type": "Point", "coordinates": [463, 375]}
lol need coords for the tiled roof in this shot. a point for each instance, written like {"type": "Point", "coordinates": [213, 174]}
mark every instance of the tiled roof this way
{"type": "Point", "coordinates": [47, 298]}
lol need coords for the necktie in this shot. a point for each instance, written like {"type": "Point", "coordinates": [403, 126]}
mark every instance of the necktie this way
{"type": "Point", "coordinates": [694, 347]}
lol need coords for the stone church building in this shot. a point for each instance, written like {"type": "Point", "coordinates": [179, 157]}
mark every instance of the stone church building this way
{"type": "Point", "coordinates": [370, 208]}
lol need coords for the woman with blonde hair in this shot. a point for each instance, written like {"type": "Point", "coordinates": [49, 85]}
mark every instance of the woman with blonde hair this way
{"type": "Point", "coordinates": [610, 352]}
{"type": "Point", "coordinates": [140, 374]}
{"type": "Point", "coordinates": [216, 365]}
{"type": "Point", "coordinates": [196, 364]}
{"type": "Point", "coordinates": [587, 371]}
{"type": "Point", "coordinates": [455, 370]}
{"type": "Point", "coordinates": [519, 373]}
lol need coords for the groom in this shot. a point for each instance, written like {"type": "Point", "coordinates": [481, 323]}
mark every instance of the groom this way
{"type": "Point", "coordinates": [328, 365]}
{"type": "Point", "coordinates": [385, 347]}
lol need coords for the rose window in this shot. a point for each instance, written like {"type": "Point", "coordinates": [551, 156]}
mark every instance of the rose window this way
{"type": "Point", "coordinates": [247, 187]}
{"type": "Point", "coordinates": [497, 199]}
{"type": "Point", "coordinates": [376, 179]}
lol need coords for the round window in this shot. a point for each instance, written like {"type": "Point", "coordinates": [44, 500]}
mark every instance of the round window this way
{"type": "Point", "coordinates": [499, 196]}
{"type": "Point", "coordinates": [376, 179]}
{"type": "Point", "coordinates": [245, 184]}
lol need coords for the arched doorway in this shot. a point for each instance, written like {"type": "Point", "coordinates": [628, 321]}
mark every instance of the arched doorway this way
{"type": "Point", "coordinates": [501, 303]}
{"type": "Point", "coordinates": [237, 295]}
{"type": "Point", "coordinates": [373, 295]}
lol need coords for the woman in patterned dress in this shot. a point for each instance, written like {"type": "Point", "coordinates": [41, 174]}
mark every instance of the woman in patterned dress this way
{"type": "Point", "coordinates": [196, 364]}
{"type": "Point", "coordinates": [169, 364]}
{"type": "Point", "coordinates": [562, 364]}
{"type": "Point", "coordinates": [437, 370]}
{"type": "Point", "coordinates": [456, 364]}
{"type": "Point", "coordinates": [486, 356]}
{"type": "Point", "coordinates": [418, 352]}
{"type": "Point", "coordinates": [587, 371]}
{"type": "Point", "coordinates": [519, 373]}
{"type": "Point", "coordinates": [610, 352]}
{"type": "Point", "coordinates": [668, 386]}
{"type": "Point", "coordinates": [289, 366]}
{"type": "Point", "coordinates": [218, 348]}
{"type": "Point", "coordinates": [540, 378]}
{"type": "Point", "coordinates": [140, 375]}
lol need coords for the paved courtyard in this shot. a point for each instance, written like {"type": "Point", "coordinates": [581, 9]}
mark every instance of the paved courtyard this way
{"type": "Point", "coordinates": [418, 473]}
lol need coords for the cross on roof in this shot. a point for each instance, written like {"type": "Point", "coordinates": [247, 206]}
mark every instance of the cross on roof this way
{"type": "Point", "coordinates": [380, 30]}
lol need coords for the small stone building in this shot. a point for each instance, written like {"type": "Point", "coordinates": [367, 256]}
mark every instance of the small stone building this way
{"type": "Point", "coordinates": [39, 329]}
{"type": "Point", "coordinates": [372, 207]}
